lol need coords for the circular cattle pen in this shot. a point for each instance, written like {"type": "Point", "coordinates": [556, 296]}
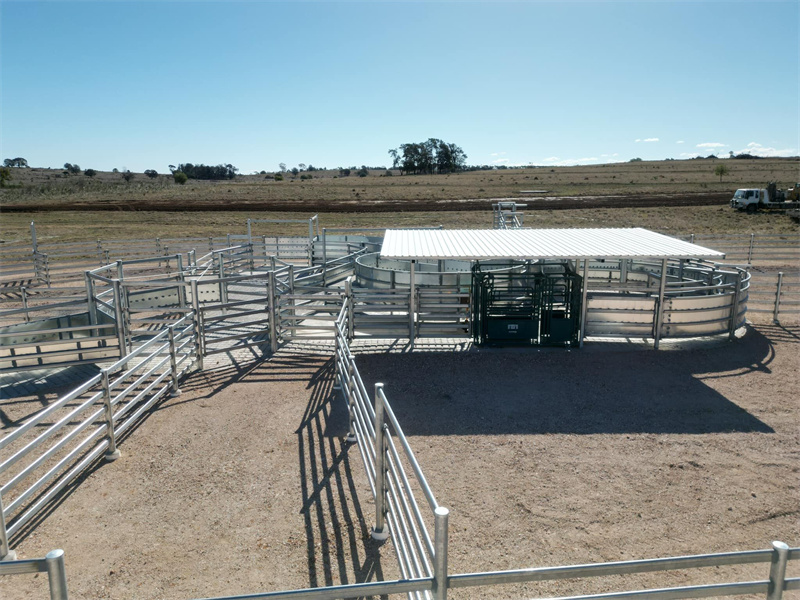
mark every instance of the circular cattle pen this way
{"type": "Point", "coordinates": [557, 287]}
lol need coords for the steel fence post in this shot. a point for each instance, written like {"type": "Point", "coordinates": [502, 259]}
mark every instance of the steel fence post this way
{"type": "Point", "coordinates": [735, 307]}
{"type": "Point", "coordinates": [584, 297]}
{"type": "Point", "coordinates": [24, 294]}
{"type": "Point", "coordinates": [750, 250]}
{"type": "Point", "coordinates": [56, 575]}
{"type": "Point", "coordinates": [351, 399]}
{"type": "Point", "coordinates": [47, 269]}
{"type": "Point", "coordinates": [441, 516]}
{"type": "Point", "coordinates": [112, 453]}
{"type": "Point", "coordinates": [777, 570]}
{"type": "Point", "coordinates": [91, 304]}
{"type": "Point", "coordinates": [6, 553]}
{"type": "Point", "coordinates": [173, 362]}
{"type": "Point", "coordinates": [777, 298]}
{"type": "Point", "coordinates": [181, 288]}
{"type": "Point", "coordinates": [223, 288]}
{"type": "Point", "coordinates": [380, 532]}
{"type": "Point", "coordinates": [34, 243]}
{"type": "Point", "coordinates": [412, 309]}
{"type": "Point", "coordinates": [348, 299]}
{"type": "Point", "coordinates": [659, 316]}
{"type": "Point", "coordinates": [273, 315]}
{"type": "Point", "coordinates": [198, 326]}
{"type": "Point", "coordinates": [119, 316]}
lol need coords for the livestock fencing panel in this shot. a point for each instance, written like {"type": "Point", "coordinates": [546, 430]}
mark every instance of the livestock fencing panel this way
{"type": "Point", "coordinates": [46, 451]}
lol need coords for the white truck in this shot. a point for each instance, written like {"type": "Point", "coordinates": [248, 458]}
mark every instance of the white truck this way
{"type": "Point", "coordinates": [752, 199]}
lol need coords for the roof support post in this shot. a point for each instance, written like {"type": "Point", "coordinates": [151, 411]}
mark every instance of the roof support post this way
{"type": "Point", "coordinates": [660, 305]}
{"type": "Point", "coordinates": [412, 305]}
{"type": "Point", "coordinates": [584, 294]}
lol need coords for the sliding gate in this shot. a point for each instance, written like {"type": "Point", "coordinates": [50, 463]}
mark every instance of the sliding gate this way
{"type": "Point", "coordinates": [539, 309]}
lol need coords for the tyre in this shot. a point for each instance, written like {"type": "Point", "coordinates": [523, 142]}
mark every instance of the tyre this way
{"type": "Point", "coordinates": [751, 209]}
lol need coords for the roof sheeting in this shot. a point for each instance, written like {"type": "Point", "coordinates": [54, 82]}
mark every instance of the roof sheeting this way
{"type": "Point", "coordinates": [526, 244]}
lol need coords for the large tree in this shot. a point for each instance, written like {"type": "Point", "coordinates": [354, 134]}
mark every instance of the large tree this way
{"type": "Point", "coordinates": [431, 156]}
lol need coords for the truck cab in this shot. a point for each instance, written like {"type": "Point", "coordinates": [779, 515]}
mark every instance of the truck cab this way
{"type": "Point", "coordinates": [748, 199]}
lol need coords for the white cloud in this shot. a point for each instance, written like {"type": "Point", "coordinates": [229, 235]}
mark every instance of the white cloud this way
{"type": "Point", "coordinates": [497, 154]}
{"type": "Point", "coordinates": [688, 154]}
{"type": "Point", "coordinates": [680, 142]}
{"type": "Point", "coordinates": [757, 149]}
{"type": "Point", "coordinates": [555, 161]}
{"type": "Point", "coordinates": [500, 161]}
{"type": "Point", "coordinates": [646, 140]}
{"type": "Point", "coordinates": [711, 145]}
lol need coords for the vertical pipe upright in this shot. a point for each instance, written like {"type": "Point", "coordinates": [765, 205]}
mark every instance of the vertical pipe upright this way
{"type": "Point", "coordinates": [223, 288]}
{"type": "Point", "coordinates": [777, 570]}
{"type": "Point", "coordinates": [91, 302]}
{"type": "Point", "coordinates": [380, 531]}
{"type": "Point", "coordinates": [441, 516]}
{"type": "Point", "coordinates": [249, 233]}
{"type": "Point", "coordinates": [411, 301]}
{"type": "Point", "coordinates": [173, 362]}
{"type": "Point", "coordinates": [659, 316]}
{"type": "Point", "coordinates": [6, 553]}
{"type": "Point", "coordinates": [198, 326]}
{"type": "Point", "coordinates": [273, 315]}
{"type": "Point", "coordinates": [112, 452]}
{"type": "Point", "coordinates": [24, 293]}
{"type": "Point", "coordinates": [119, 317]}
{"type": "Point", "coordinates": [181, 287]}
{"type": "Point", "coordinates": [56, 575]}
{"type": "Point", "coordinates": [348, 291]}
{"type": "Point", "coordinates": [750, 249]}
{"type": "Point", "coordinates": [352, 436]}
{"type": "Point", "coordinates": [584, 296]}
{"type": "Point", "coordinates": [735, 306]}
{"type": "Point", "coordinates": [324, 254]}
{"type": "Point", "coordinates": [34, 243]}
{"type": "Point", "coordinates": [777, 298]}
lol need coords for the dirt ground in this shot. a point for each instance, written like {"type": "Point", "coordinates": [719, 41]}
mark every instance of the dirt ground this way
{"type": "Point", "coordinates": [244, 483]}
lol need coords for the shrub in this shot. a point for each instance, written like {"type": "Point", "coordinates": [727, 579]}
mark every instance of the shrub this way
{"type": "Point", "coordinates": [151, 173]}
{"type": "Point", "coordinates": [5, 175]}
{"type": "Point", "coordinates": [304, 177]}
{"type": "Point", "coordinates": [278, 177]}
{"type": "Point", "coordinates": [127, 176]}
{"type": "Point", "coordinates": [90, 172]}
{"type": "Point", "coordinates": [180, 177]}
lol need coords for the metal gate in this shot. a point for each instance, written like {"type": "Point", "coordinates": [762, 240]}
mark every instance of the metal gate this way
{"type": "Point", "coordinates": [539, 309]}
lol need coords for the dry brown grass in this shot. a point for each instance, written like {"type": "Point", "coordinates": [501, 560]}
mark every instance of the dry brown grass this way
{"type": "Point", "coordinates": [44, 186]}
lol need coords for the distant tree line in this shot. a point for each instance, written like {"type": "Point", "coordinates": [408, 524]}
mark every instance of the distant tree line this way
{"type": "Point", "coordinates": [205, 171]}
{"type": "Point", "coordinates": [431, 156]}
{"type": "Point", "coordinates": [15, 162]}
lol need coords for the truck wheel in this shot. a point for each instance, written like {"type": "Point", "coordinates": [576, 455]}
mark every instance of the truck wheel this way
{"type": "Point", "coordinates": [751, 209]}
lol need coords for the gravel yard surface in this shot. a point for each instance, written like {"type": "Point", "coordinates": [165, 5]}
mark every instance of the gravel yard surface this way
{"type": "Point", "coordinates": [245, 484]}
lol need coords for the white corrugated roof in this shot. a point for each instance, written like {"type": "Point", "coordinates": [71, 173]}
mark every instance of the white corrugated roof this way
{"type": "Point", "coordinates": [488, 244]}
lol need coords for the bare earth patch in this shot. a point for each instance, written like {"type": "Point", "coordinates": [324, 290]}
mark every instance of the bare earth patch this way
{"type": "Point", "coordinates": [244, 484]}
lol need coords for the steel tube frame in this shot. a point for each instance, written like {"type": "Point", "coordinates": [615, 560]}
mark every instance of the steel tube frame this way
{"type": "Point", "coordinates": [659, 316]}
{"type": "Point", "coordinates": [777, 298]}
{"type": "Point", "coordinates": [379, 531]}
{"type": "Point", "coordinates": [777, 570]}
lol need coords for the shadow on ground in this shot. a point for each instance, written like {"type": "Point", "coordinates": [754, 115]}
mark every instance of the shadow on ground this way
{"type": "Point", "coordinates": [541, 392]}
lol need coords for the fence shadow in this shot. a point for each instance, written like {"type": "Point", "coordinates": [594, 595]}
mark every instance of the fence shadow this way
{"type": "Point", "coordinates": [337, 534]}
{"type": "Point", "coordinates": [541, 392]}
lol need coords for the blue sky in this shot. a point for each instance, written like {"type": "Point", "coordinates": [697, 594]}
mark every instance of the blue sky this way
{"type": "Point", "coordinates": [141, 85]}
